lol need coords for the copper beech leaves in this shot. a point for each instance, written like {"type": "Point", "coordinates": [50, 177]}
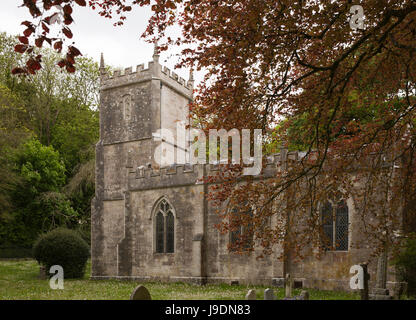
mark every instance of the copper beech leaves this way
{"type": "Point", "coordinates": [24, 40]}
{"type": "Point", "coordinates": [58, 46]}
{"type": "Point", "coordinates": [17, 71]}
{"type": "Point", "coordinates": [33, 64]}
{"type": "Point", "coordinates": [39, 42]}
{"type": "Point", "coordinates": [67, 32]}
{"type": "Point", "coordinates": [37, 33]}
{"type": "Point", "coordinates": [21, 48]}
{"type": "Point", "coordinates": [45, 28]}
{"type": "Point", "coordinates": [59, 12]}
{"type": "Point", "coordinates": [68, 9]}
{"type": "Point", "coordinates": [295, 69]}
{"type": "Point", "coordinates": [69, 61]}
{"type": "Point", "coordinates": [29, 31]}
{"type": "Point", "coordinates": [81, 3]}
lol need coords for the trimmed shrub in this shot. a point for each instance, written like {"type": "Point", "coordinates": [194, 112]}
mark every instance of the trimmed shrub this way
{"type": "Point", "coordinates": [15, 252]}
{"type": "Point", "coordinates": [85, 234]}
{"type": "Point", "coordinates": [62, 247]}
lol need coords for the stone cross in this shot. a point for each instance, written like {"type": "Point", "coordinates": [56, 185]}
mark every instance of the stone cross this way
{"type": "Point", "coordinates": [251, 295]}
{"type": "Point", "coordinates": [382, 270]}
{"type": "Point", "coordinates": [288, 286]}
{"type": "Point", "coordinates": [140, 293]}
{"type": "Point", "coordinates": [268, 294]}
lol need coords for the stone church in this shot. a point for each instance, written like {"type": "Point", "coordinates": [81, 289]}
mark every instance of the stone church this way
{"type": "Point", "coordinates": [156, 225]}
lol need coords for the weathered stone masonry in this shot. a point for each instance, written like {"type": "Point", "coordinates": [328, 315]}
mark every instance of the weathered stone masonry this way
{"type": "Point", "coordinates": [128, 191]}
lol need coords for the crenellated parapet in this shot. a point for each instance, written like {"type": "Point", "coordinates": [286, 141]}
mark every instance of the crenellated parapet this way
{"type": "Point", "coordinates": [145, 177]}
{"type": "Point", "coordinates": [152, 71]}
{"type": "Point", "coordinates": [177, 83]}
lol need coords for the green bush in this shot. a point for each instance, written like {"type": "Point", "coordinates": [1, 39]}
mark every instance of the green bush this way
{"type": "Point", "coordinates": [62, 247]}
{"type": "Point", "coordinates": [15, 252]}
{"type": "Point", "coordinates": [85, 234]}
{"type": "Point", "coordinates": [406, 265]}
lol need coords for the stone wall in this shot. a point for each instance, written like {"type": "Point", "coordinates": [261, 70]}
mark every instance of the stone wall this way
{"type": "Point", "coordinates": [185, 262]}
{"type": "Point", "coordinates": [129, 183]}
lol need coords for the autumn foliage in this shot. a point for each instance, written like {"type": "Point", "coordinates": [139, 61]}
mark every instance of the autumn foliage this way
{"type": "Point", "coordinates": [297, 70]}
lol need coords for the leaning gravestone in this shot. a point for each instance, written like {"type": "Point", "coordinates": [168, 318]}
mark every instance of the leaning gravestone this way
{"type": "Point", "coordinates": [288, 286]}
{"type": "Point", "coordinates": [251, 295]}
{"type": "Point", "coordinates": [268, 294]}
{"type": "Point", "coordinates": [140, 293]}
{"type": "Point", "coordinates": [399, 289]}
{"type": "Point", "coordinates": [304, 295]}
{"type": "Point", "coordinates": [380, 292]}
{"type": "Point", "coordinates": [42, 273]}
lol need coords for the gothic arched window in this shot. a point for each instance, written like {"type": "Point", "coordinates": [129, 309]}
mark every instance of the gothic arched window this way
{"type": "Point", "coordinates": [341, 226]}
{"type": "Point", "coordinates": [160, 232]}
{"type": "Point", "coordinates": [335, 226]}
{"type": "Point", "coordinates": [241, 235]}
{"type": "Point", "coordinates": [327, 225]}
{"type": "Point", "coordinates": [170, 232]}
{"type": "Point", "coordinates": [164, 228]}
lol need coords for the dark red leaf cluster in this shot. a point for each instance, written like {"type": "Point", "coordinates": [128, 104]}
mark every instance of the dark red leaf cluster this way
{"type": "Point", "coordinates": [294, 60]}
{"type": "Point", "coordinates": [81, 3]}
{"type": "Point", "coordinates": [37, 32]}
{"type": "Point", "coordinates": [69, 61]}
{"type": "Point", "coordinates": [33, 64]}
{"type": "Point", "coordinates": [67, 32]}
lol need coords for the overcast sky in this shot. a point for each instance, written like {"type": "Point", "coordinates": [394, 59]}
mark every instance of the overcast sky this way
{"type": "Point", "coordinates": [122, 46]}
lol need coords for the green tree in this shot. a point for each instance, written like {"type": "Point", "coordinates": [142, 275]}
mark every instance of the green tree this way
{"type": "Point", "coordinates": [40, 168]}
{"type": "Point", "coordinates": [59, 112]}
{"type": "Point", "coordinates": [12, 131]}
{"type": "Point", "coordinates": [38, 204]}
{"type": "Point", "coordinates": [60, 108]}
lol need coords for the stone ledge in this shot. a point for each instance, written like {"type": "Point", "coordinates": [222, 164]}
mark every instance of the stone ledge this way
{"type": "Point", "coordinates": [192, 280]}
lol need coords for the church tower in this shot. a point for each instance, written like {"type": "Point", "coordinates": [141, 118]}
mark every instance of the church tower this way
{"type": "Point", "coordinates": [133, 106]}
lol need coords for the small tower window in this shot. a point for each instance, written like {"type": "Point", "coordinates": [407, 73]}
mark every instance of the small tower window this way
{"type": "Point", "coordinates": [127, 108]}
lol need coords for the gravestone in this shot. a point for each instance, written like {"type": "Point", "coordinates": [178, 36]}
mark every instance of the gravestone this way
{"type": "Point", "coordinates": [251, 295]}
{"type": "Point", "coordinates": [380, 292]}
{"type": "Point", "coordinates": [140, 293]}
{"type": "Point", "coordinates": [399, 289]}
{"type": "Point", "coordinates": [382, 270]}
{"type": "Point", "coordinates": [268, 294]}
{"type": "Point", "coordinates": [288, 286]}
{"type": "Point", "coordinates": [42, 273]}
{"type": "Point", "coordinates": [304, 295]}
{"type": "Point", "coordinates": [278, 282]}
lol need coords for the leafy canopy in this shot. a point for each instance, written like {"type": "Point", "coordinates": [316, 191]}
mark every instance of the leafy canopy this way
{"type": "Point", "coordinates": [297, 70]}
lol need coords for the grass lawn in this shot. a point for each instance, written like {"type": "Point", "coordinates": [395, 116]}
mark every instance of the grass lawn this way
{"type": "Point", "coordinates": [18, 281]}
